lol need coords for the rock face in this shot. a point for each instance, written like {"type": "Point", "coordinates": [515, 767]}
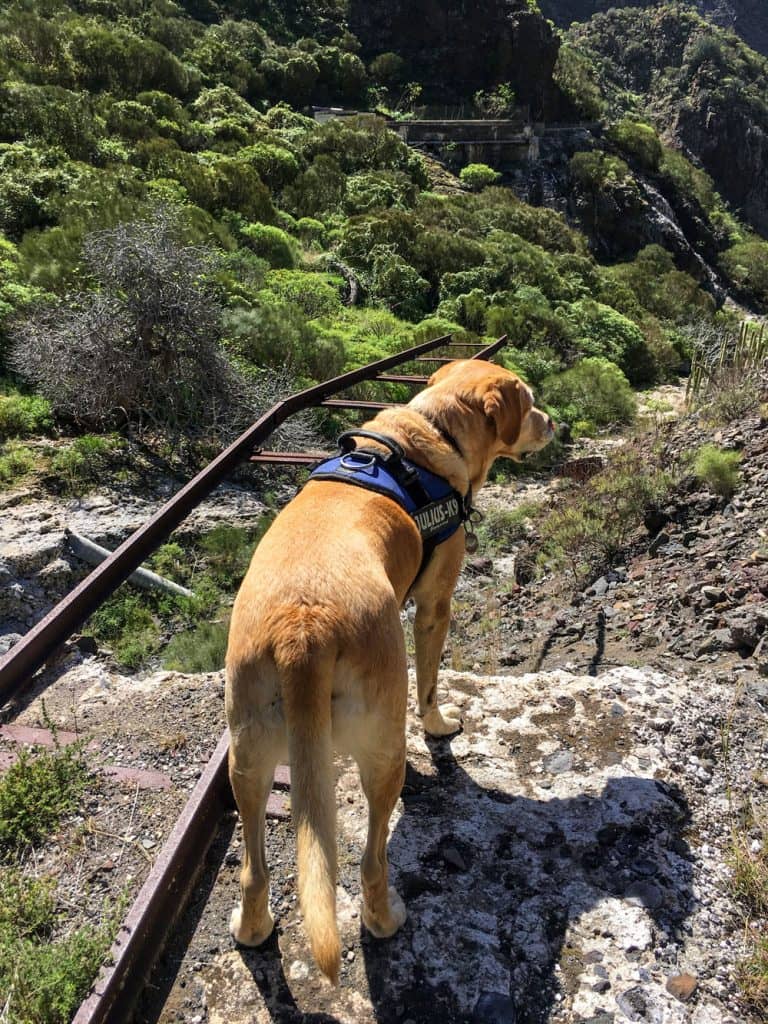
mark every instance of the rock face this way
{"type": "Point", "coordinates": [456, 48]}
{"type": "Point", "coordinates": [747, 18]}
{"type": "Point", "coordinates": [702, 88]}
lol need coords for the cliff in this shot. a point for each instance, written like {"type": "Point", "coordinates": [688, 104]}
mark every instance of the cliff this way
{"type": "Point", "coordinates": [456, 48]}
{"type": "Point", "coordinates": [747, 18]}
{"type": "Point", "coordinates": [701, 86]}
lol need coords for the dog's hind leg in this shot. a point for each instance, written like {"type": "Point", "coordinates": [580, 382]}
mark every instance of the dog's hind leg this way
{"type": "Point", "coordinates": [382, 772]}
{"type": "Point", "coordinates": [252, 764]}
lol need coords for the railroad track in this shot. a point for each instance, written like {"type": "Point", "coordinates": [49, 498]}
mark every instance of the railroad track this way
{"type": "Point", "coordinates": [175, 870]}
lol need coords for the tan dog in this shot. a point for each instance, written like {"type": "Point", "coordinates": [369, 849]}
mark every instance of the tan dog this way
{"type": "Point", "coordinates": [316, 657]}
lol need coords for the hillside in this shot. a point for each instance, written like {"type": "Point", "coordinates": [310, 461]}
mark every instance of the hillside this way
{"type": "Point", "coordinates": [747, 18]}
{"type": "Point", "coordinates": [702, 87]}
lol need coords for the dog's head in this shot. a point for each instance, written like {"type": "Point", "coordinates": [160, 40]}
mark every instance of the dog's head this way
{"type": "Point", "coordinates": [513, 426]}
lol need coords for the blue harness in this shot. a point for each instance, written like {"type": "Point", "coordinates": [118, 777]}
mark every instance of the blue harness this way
{"type": "Point", "coordinates": [437, 508]}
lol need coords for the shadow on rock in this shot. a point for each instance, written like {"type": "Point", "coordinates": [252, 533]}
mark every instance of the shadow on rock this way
{"type": "Point", "coordinates": [511, 899]}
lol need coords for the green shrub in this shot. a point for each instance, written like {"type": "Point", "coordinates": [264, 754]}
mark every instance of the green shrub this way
{"type": "Point", "coordinates": [15, 462]}
{"type": "Point", "coordinates": [500, 528]}
{"type": "Point", "coordinates": [126, 624]}
{"type": "Point", "coordinates": [83, 463]}
{"type": "Point", "coordinates": [312, 233]}
{"type": "Point", "coordinates": [227, 551]}
{"type": "Point", "coordinates": [605, 332]}
{"type": "Point", "coordinates": [746, 263]}
{"type": "Point", "coordinates": [314, 294]}
{"type": "Point", "coordinates": [44, 976]}
{"type": "Point", "coordinates": [478, 176]}
{"type": "Point", "coordinates": [595, 524]}
{"type": "Point", "coordinates": [37, 791]}
{"type": "Point", "coordinates": [24, 415]}
{"type": "Point", "coordinates": [593, 390]}
{"type": "Point", "coordinates": [201, 649]}
{"type": "Point", "coordinates": [718, 469]}
{"type": "Point", "coordinates": [640, 141]}
{"type": "Point", "coordinates": [271, 244]}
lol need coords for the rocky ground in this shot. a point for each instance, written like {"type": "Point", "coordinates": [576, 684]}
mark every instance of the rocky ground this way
{"type": "Point", "coordinates": [564, 859]}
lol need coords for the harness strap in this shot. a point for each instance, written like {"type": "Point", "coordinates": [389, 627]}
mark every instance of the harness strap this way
{"type": "Point", "coordinates": [437, 513]}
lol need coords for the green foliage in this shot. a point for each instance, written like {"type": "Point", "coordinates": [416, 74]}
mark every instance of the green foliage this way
{"type": "Point", "coordinates": [127, 625]}
{"type": "Point", "coordinates": [747, 264]}
{"type": "Point", "coordinates": [498, 102]}
{"type": "Point", "coordinates": [501, 528]}
{"type": "Point", "coordinates": [271, 244]}
{"type": "Point", "coordinates": [87, 461]}
{"type": "Point", "coordinates": [44, 976]}
{"type": "Point", "coordinates": [577, 77]}
{"type": "Point", "coordinates": [594, 171]}
{"type": "Point", "coordinates": [398, 284]}
{"type": "Point", "coordinates": [718, 469]}
{"type": "Point", "coordinates": [227, 550]}
{"type": "Point", "coordinates": [24, 415]}
{"type": "Point", "coordinates": [201, 649]}
{"type": "Point", "coordinates": [15, 462]}
{"type": "Point", "coordinates": [478, 176]}
{"type": "Point", "coordinates": [604, 332]}
{"type": "Point", "coordinates": [595, 525]}
{"type": "Point", "coordinates": [594, 390]}
{"type": "Point", "coordinates": [36, 792]}
{"type": "Point", "coordinates": [640, 141]}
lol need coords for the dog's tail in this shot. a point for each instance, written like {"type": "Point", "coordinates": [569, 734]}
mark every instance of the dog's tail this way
{"type": "Point", "coordinates": [307, 685]}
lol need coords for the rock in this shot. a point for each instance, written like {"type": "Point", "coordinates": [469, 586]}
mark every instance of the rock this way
{"type": "Point", "coordinates": [658, 542]}
{"type": "Point", "coordinates": [713, 594]}
{"type": "Point", "coordinates": [453, 858]}
{"type": "Point", "coordinates": [760, 655]}
{"type": "Point", "coordinates": [633, 1003]}
{"type": "Point", "coordinates": [494, 1008]}
{"type": "Point", "coordinates": [644, 894]}
{"type": "Point", "coordinates": [559, 762]}
{"type": "Point", "coordinates": [600, 587]}
{"type": "Point", "coordinates": [682, 986]}
{"type": "Point", "coordinates": [747, 624]}
{"type": "Point", "coordinates": [480, 566]}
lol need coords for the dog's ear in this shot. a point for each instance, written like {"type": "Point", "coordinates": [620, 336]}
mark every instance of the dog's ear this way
{"type": "Point", "coordinates": [507, 402]}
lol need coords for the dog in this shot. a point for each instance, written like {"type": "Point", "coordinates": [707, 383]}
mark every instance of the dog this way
{"type": "Point", "coordinates": [316, 659]}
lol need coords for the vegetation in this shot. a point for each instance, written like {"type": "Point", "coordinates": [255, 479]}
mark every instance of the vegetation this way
{"type": "Point", "coordinates": [717, 469]}
{"type": "Point", "coordinates": [594, 525]}
{"type": "Point", "coordinates": [477, 176]}
{"type": "Point", "coordinates": [15, 462]}
{"type": "Point", "coordinates": [173, 220]}
{"type": "Point", "coordinates": [135, 624]}
{"type": "Point", "coordinates": [36, 792]}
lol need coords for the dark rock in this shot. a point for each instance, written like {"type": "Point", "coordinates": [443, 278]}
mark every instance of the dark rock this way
{"type": "Point", "coordinates": [494, 1008]}
{"type": "Point", "coordinates": [633, 1003]}
{"type": "Point", "coordinates": [644, 894]}
{"type": "Point", "coordinates": [658, 542]}
{"type": "Point", "coordinates": [453, 858]}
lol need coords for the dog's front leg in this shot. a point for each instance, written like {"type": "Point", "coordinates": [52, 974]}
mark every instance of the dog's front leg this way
{"type": "Point", "coordinates": [432, 595]}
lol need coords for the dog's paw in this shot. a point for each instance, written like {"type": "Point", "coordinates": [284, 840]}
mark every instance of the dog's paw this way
{"type": "Point", "coordinates": [244, 936]}
{"type": "Point", "coordinates": [384, 928]}
{"type": "Point", "coordinates": [443, 721]}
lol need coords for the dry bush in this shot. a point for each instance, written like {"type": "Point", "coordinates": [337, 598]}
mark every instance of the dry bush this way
{"type": "Point", "coordinates": [144, 348]}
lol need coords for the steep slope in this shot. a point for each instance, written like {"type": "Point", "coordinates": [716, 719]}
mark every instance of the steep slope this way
{"type": "Point", "coordinates": [453, 55]}
{"type": "Point", "coordinates": [700, 85]}
{"type": "Point", "coordinates": [747, 18]}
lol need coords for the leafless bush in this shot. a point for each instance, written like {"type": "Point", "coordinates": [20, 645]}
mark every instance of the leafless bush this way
{"type": "Point", "coordinates": [145, 347]}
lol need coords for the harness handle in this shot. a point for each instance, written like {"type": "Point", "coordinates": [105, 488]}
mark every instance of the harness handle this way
{"type": "Point", "coordinates": [345, 443]}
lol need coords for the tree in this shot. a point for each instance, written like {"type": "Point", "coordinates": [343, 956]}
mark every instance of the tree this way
{"type": "Point", "coordinates": [142, 349]}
